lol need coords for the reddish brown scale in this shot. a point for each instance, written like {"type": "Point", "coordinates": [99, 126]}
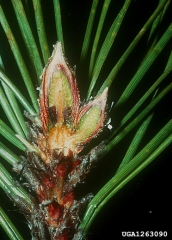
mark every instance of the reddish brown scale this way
{"type": "Point", "coordinates": [41, 194]}
{"type": "Point", "coordinates": [55, 213]}
{"type": "Point", "coordinates": [68, 199]}
{"type": "Point", "coordinates": [63, 169]}
{"type": "Point", "coordinates": [48, 181]}
{"type": "Point", "coordinates": [63, 237]}
{"type": "Point", "coordinates": [75, 163]}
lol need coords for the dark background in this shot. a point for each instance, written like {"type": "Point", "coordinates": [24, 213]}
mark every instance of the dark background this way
{"type": "Point", "coordinates": [144, 204]}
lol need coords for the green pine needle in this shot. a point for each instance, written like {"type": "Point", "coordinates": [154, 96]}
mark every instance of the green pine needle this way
{"type": "Point", "coordinates": [9, 227]}
{"type": "Point", "coordinates": [57, 12]}
{"type": "Point", "coordinates": [137, 164]}
{"type": "Point", "coordinates": [124, 57]}
{"type": "Point", "coordinates": [107, 45]}
{"type": "Point", "coordinates": [41, 30]}
{"type": "Point", "coordinates": [136, 119]}
{"type": "Point", "coordinates": [28, 37]}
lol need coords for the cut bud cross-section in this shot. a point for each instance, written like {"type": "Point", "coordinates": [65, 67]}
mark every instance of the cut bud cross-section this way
{"type": "Point", "coordinates": [59, 97]}
{"type": "Point", "coordinates": [66, 126]}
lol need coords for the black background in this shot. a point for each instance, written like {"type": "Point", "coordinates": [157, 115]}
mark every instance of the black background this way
{"type": "Point", "coordinates": [144, 204]}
